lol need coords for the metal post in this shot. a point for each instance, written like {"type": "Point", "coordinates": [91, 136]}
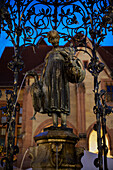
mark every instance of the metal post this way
{"type": "Point", "coordinates": [103, 117]}
{"type": "Point", "coordinates": [99, 139]}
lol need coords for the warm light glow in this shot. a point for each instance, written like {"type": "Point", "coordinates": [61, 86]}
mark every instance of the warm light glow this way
{"type": "Point", "coordinates": [93, 143]}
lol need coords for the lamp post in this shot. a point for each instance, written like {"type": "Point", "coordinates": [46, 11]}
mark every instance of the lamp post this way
{"type": "Point", "coordinates": [26, 20]}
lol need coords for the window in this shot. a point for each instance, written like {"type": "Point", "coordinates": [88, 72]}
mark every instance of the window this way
{"type": "Point", "coordinates": [85, 64]}
{"type": "Point", "coordinates": [3, 119]}
{"type": "Point", "coordinates": [20, 116]}
{"type": "Point", "coordinates": [2, 131]}
{"type": "Point", "coordinates": [93, 143]}
{"type": "Point", "coordinates": [107, 85]}
{"type": "Point", "coordinates": [2, 141]}
{"type": "Point", "coordinates": [109, 92]}
{"type": "Point", "coordinates": [21, 110]}
{"type": "Point", "coordinates": [19, 131]}
{"type": "Point", "coordinates": [20, 120]}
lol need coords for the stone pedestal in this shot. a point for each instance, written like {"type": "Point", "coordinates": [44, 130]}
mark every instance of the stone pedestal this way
{"type": "Point", "coordinates": [56, 150]}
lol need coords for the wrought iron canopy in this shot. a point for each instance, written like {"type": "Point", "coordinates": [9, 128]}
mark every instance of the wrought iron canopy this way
{"type": "Point", "coordinates": [29, 19]}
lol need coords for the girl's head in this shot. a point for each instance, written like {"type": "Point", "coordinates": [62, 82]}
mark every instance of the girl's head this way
{"type": "Point", "coordinates": [53, 38]}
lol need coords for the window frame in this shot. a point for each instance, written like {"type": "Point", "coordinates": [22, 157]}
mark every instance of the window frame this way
{"type": "Point", "coordinates": [2, 104]}
{"type": "Point", "coordinates": [104, 83]}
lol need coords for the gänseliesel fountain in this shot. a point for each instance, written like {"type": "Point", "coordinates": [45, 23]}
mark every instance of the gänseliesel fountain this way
{"type": "Point", "coordinates": [56, 145]}
{"type": "Point", "coordinates": [50, 95]}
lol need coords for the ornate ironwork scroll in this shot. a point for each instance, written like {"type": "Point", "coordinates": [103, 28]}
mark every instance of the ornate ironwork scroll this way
{"type": "Point", "coordinates": [29, 19]}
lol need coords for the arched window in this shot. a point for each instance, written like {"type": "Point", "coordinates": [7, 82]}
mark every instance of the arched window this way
{"type": "Point", "coordinates": [93, 142]}
{"type": "Point", "coordinates": [3, 132]}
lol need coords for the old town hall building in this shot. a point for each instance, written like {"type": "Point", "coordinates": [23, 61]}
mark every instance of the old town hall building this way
{"type": "Point", "coordinates": [81, 118]}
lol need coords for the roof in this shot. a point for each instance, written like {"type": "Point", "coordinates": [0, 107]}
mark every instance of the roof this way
{"type": "Point", "coordinates": [106, 53]}
{"type": "Point", "coordinates": [33, 59]}
{"type": "Point", "coordinates": [30, 57]}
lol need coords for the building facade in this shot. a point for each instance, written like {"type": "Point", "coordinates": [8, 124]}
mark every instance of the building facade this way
{"type": "Point", "coordinates": [81, 119]}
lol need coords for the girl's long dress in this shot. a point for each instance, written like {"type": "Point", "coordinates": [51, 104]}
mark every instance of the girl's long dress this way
{"type": "Point", "coordinates": [55, 84]}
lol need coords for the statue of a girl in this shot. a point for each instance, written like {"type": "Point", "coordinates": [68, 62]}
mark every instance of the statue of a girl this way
{"type": "Point", "coordinates": [61, 67]}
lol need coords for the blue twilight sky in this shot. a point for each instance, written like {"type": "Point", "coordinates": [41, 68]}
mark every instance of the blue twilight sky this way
{"type": "Point", "coordinates": [108, 41]}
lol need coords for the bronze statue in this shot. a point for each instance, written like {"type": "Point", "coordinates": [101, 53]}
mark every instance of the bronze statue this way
{"type": "Point", "coordinates": [51, 94]}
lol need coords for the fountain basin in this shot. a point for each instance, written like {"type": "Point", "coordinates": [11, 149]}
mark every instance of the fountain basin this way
{"type": "Point", "coordinates": [56, 149]}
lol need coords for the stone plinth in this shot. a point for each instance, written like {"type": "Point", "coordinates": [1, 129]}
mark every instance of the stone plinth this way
{"type": "Point", "coordinates": [56, 150]}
